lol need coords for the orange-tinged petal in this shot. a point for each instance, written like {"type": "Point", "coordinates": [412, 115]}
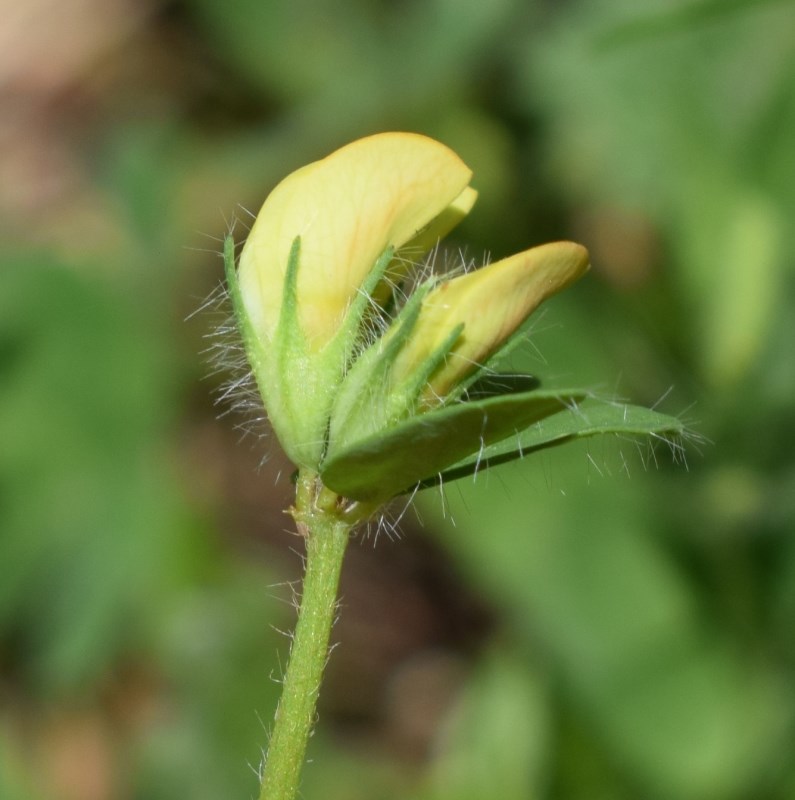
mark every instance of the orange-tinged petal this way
{"type": "Point", "coordinates": [348, 208]}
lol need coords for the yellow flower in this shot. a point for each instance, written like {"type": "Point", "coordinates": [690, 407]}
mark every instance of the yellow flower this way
{"type": "Point", "coordinates": [376, 393]}
{"type": "Point", "coordinates": [327, 244]}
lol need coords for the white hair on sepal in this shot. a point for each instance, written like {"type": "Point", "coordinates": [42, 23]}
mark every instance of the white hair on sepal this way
{"type": "Point", "coordinates": [236, 220]}
{"type": "Point", "coordinates": [237, 392]}
{"type": "Point", "coordinates": [231, 224]}
{"type": "Point", "coordinates": [379, 314]}
{"type": "Point", "coordinates": [436, 265]}
{"type": "Point", "coordinates": [439, 264]}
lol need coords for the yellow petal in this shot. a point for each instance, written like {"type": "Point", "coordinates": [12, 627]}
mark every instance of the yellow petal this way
{"type": "Point", "coordinates": [411, 252]}
{"type": "Point", "coordinates": [492, 302]}
{"type": "Point", "coordinates": [442, 225]}
{"type": "Point", "coordinates": [349, 207]}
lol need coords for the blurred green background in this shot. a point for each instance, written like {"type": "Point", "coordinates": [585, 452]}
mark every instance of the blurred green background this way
{"type": "Point", "coordinates": [596, 623]}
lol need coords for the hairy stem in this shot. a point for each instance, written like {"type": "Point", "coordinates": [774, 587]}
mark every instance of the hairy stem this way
{"type": "Point", "coordinates": [326, 536]}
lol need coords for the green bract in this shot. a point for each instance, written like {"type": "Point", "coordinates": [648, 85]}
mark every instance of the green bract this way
{"type": "Point", "coordinates": [381, 402]}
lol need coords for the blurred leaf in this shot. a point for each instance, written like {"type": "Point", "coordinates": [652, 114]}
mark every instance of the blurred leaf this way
{"type": "Point", "coordinates": [345, 65]}
{"type": "Point", "coordinates": [681, 17]}
{"type": "Point", "coordinates": [495, 742]}
{"type": "Point", "coordinates": [338, 772]}
{"type": "Point", "coordinates": [584, 580]}
{"type": "Point", "coordinates": [675, 129]}
{"type": "Point", "coordinates": [92, 517]}
{"type": "Point", "coordinates": [14, 779]}
{"type": "Point", "coordinates": [211, 744]}
{"type": "Point", "coordinates": [738, 313]}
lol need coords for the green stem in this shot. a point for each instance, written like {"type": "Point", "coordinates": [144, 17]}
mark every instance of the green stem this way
{"type": "Point", "coordinates": [326, 534]}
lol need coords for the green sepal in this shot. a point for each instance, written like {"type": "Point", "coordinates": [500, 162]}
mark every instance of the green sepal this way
{"type": "Point", "coordinates": [347, 368]}
{"type": "Point", "coordinates": [255, 352]}
{"type": "Point", "coordinates": [288, 330]}
{"type": "Point", "coordinates": [251, 343]}
{"type": "Point", "coordinates": [350, 334]}
{"type": "Point", "coordinates": [367, 401]}
{"type": "Point", "coordinates": [386, 464]}
{"type": "Point", "coordinates": [588, 419]}
{"type": "Point", "coordinates": [363, 388]}
{"type": "Point", "coordinates": [286, 351]}
{"type": "Point", "coordinates": [419, 378]}
{"type": "Point", "coordinates": [298, 384]}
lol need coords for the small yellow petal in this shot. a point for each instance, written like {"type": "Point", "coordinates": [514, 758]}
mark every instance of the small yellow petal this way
{"type": "Point", "coordinates": [492, 302]}
{"type": "Point", "coordinates": [348, 208]}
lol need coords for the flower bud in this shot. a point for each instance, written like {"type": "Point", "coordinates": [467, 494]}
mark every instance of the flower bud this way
{"type": "Point", "coordinates": [490, 303]}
